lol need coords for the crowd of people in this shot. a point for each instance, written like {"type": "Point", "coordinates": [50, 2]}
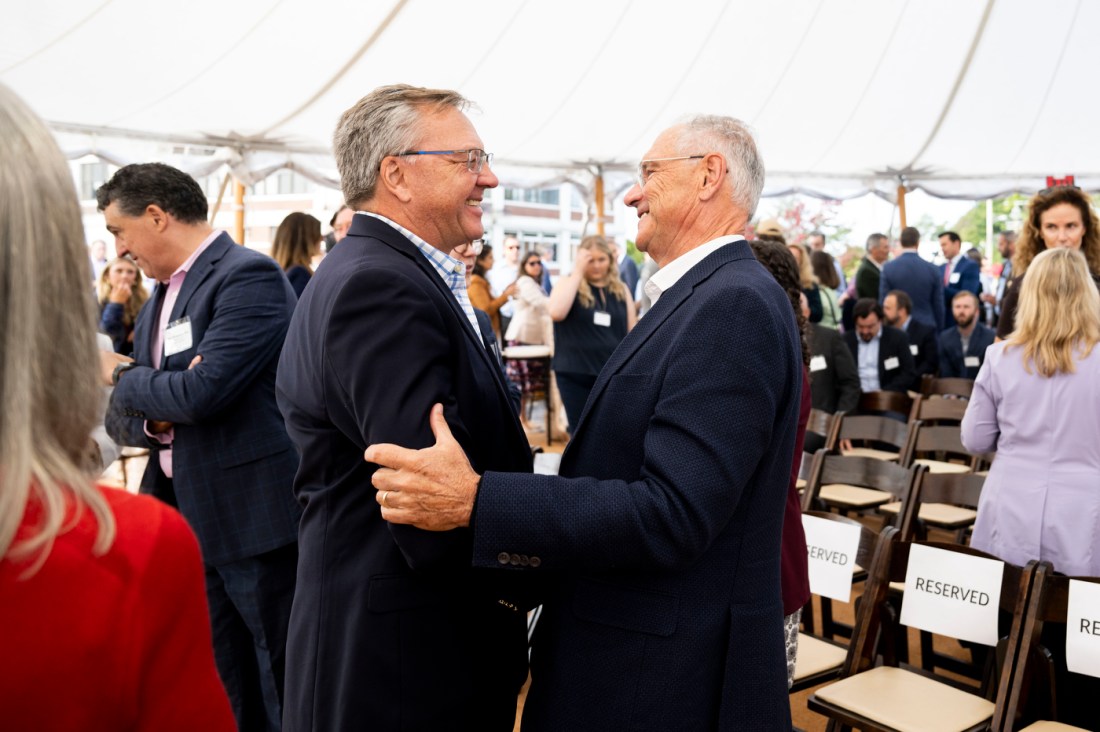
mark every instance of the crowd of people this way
{"type": "Point", "coordinates": [340, 527]}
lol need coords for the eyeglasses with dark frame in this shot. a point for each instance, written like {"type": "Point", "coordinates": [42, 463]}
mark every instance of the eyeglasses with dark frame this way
{"type": "Point", "coordinates": [646, 168]}
{"type": "Point", "coordinates": [476, 158]}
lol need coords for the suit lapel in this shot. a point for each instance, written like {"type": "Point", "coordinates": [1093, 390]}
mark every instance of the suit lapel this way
{"type": "Point", "coordinates": [146, 322]}
{"type": "Point", "coordinates": [198, 273]}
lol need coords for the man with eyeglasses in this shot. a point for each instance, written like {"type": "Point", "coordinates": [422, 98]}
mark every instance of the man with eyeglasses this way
{"type": "Point", "coordinates": [662, 530]}
{"type": "Point", "coordinates": [391, 629]}
{"type": "Point", "coordinates": [503, 273]}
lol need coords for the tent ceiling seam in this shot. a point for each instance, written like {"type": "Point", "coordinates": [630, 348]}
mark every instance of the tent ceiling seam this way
{"type": "Point", "coordinates": [491, 47]}
{"type": "Point", "coordinates": [64, 34]}
{"type": "Point", "coordinates": [790, 62]}
{"type": "Point", "coordinates": [378, 32]}
{"type": "Point", "coordinates": [978, 34]}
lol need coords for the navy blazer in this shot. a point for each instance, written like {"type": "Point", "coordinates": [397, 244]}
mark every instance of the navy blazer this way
{"type": "Point", "coordinates": [664, 524]}
{"type": "Point", "coordinates": [952, 360]}
{"type": "Point", "coordinates": [924, 344]}
{"type": "Point", "coordinates": [834, 379]}
{"type": "Point", "coordinates": [893, 344]}
{"type": "Point", "coordinates": [232, 460]}
{"type": "Point", "coordinates": [922, 281]}
{"type": "Point", "coordinates": [969, 279]}
{"type": "Point", "coordinates": [391, 629]}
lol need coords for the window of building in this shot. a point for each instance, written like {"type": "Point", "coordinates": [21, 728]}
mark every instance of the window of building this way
{"type": "Point", "coordinates": [92, 176]}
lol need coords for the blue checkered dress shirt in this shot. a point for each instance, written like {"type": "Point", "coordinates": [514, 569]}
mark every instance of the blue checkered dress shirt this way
{"type": "Point", "coordinates": [453, 271]}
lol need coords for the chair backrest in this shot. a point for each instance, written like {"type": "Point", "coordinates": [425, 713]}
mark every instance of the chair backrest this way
{"type": "Point", "coordinates": [957, 489]}
{"type": "Point", "coordinates": [868, 538]}
{"type": "Point", "coordinates": [825, 424]}
{"type": "Point", "coordinates": [949, 385]}
{"type": "Point", "coordinates": [878, 626]}
{"type": "Point", "coordinates": [873, 428]}
{"type": "Point", "coordinates": [885, 401]}
{"type": "Point", "coordinates": [1033, 691]}
{"type": "Point", "coordinates": [939, 442]}
{"type": "Point", "coordinates": [862, 472]}
{"type": "Point", "coordinates": [937, 410]}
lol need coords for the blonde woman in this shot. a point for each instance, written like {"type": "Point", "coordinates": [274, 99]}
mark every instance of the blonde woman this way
{"type": "Point", "coordinates": [592, 312]}
{"type": "Point", "coordinates": [103, 600]}
{"type": "Point", "coordinates": [530, 326]}
{"type": "Point", "coordinates": [121, 295]}
{"type": "Point", "coordinates": [297, 241]}
{"type": "Point", "coordinates": [808, 279]}
{"type": "Point", "coordinates": [1036, 402]}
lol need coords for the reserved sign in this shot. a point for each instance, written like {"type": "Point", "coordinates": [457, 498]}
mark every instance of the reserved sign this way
{"type": "Point", "coordinates": [1083, 628]}
{"type": "Point", "coordinates": [952, 594]}
{"type": "Point", "coordinates": [831, 548]}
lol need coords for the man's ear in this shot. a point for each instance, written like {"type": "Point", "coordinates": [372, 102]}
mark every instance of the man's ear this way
{"type": "Point", "coordinates": [157, 216]}
{"type": "Point", "coordinates": [714, 174]}
{"type": "Point", "coordinates": [391, 176]}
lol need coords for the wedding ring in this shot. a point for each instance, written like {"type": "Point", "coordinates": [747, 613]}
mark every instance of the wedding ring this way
{"type": "Point", "coordinates": [385, 498]}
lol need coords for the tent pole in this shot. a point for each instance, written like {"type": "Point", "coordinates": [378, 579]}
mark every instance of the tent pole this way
{"type": "Point", "coordinates": [989, 230]}
{"type": "Point", "coordinates": [238, 207]}
{"type": "Point", "coordinates": [221, 195]}
{"type": "Point", "coordinates": [599, 201]}
{"type": "Point", "coordinates": [901, 205]}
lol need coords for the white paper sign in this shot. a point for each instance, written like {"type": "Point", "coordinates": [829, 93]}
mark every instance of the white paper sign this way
{"type": "Point", "coordinates": [177, 336]}
{"type": "Point", "coordinates": [817, 363]}
{"type": "Point", "coordinates": [1083, 628]}
{"type": "Point", "coordinates": [972, 362]}
{"type": "Point", "coordinates": [914, 350]}
{"type": "Point", "coordinates": [952, 594]}
{"type": "Point", "coordinates": [891, 363]}
{"type": "Point", "coordinates": [831, 549]}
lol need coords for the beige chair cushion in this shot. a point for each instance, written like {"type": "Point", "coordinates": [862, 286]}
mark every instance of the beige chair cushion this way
{"type": "Point", "coordinates": [1052, 727]}
{"type": "Point", "coordinates": [871, 453]}
{"type": "Point", "coordinates": [940, 514]}
{"type": "Point", "coordinates": [939, 466]}
{"type": "Point", "coordinates": [800, 483]}
{"type": "Point", "coordinates": [906, 701]}
{"type": "Point", "coordinates": [815, 656]}
{"type": "Point", "coordinates": [854, 496]}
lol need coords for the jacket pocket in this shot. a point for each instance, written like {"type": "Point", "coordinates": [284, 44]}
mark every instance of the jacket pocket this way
{"type": "Point", "coordinates": [627, 608]}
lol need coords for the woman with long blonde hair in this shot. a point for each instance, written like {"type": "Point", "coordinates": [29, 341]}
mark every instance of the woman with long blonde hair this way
{"type": "Point", "coordinates": [592, 311]}
{"type": "Point", "coordinates": [103, 599]}
{"type": "Point", "coordinates": [121, 296]}
{"type": "Point", "coordinates": [1036, 402]}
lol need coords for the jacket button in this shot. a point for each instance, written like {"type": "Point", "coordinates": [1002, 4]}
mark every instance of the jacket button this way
{"type": "Point", "coordinates": [515, 560]}
{"type": "Point", "coordinates": [535, 561]}
{"type": "Point", "coordinates": [504, 557]}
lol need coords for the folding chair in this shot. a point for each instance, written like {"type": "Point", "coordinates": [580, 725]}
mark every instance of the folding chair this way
{"type": "Point", "coordinates": [879, 402]}
{"type": "Point", "coordinates": [947, 501]}
{"type": "Point", "coordinates": [876, 693]}
{"type": "Point", "coordinates": [1034, 695]}
{"type": "Point", "coordinates": [821, 658]}
{"type": "Point", "coordinates": [939, 448]}
{"type": "Point", "coordinates": [937, 410]}
{"type": "Point", "coordinates": [949, 386]}
{"type": "Point", "coordinates": [875, 436]}
{"type": "Point", "coordinates": [855, 483]}
{"type": "Point", "coordinates": [824, 425]}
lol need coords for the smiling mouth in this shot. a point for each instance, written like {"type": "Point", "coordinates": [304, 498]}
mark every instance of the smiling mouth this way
{"type": "Point", "coordinates": [473, 202]}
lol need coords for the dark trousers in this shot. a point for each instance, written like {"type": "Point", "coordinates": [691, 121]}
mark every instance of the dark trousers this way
{"type": "Point", "coordinates": [574, 389]}
{"type": "Point", "coordinates": [249, 613]}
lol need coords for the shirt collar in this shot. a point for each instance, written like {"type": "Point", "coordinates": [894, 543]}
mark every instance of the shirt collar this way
{"type": "Point", "coordinates": [188, 263]}
{"type": "Point", "coordinates": [444, 264]}
{"type": "Point", "coordinates": [670, 274]}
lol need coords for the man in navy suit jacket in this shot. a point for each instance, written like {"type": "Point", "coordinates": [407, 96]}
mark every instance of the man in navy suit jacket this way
{"type": "Point", "coordinates": [922, 281]}
{"type": "Point", "coordinates": [391, 628]}
{"type": "Point", "coordinates": [923, 339]}
{"type": "Point", "coordinates": [201, 396]}
{"type": "Point", "coordinates": [959, 272]}
{"type": "Point", "coordinates": [962, 348]}
{"type": "Point", "coordinates": [661, 534]}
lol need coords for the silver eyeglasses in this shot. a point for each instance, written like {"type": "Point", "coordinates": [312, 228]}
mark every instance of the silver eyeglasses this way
{"type": "Point", "coordinates": [477, 246]}
{"type": "Point", "coordinates": [476, 158]}
{"type": "Point", "coordinates": [647, 168]}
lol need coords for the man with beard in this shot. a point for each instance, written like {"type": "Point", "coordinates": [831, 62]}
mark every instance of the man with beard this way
{"type": "Point", "coordinates": [962, 348]}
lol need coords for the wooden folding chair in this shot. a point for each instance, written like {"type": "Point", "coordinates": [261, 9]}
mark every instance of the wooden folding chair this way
{"type": "Point", "coordinates": [875, 436]}
{"type": "Point", "coordinates": [820, 657]}
{"type": "Point", "coordinates": [826, 426]}
{"type": "Point", "coordinates": [878, 693]}
{"type": "Point", "coordinates": [856, 483]}
{"type": "Point", "coordinates": [948, 386]}
{"type": "Point", "coordinates": [1034, 695]}
{"type": "Point", "coordinates": [938, 447]}
{"type": "Point", "coordinates": [879, 402]}
{"type": "Point", "coordinates": [937, 410]}
{"type": "Point", "coordinates": [947, 501]}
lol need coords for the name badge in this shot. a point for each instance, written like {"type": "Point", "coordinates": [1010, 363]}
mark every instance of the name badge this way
{"type": "Point", "coordinates": [914, 350]}
{"type": "Point", "coordinates": [817, 363]}
{"type": "Point", "coordinates": [177, 337]}
{"type": "Point", "coordinates": [602, 319]}
{"type": "Point", "coordinates": [954, 278]}
{"type": "Point", "coordinates": [972, 362]}
{"type": "Point", "coordinates": [891, 363]}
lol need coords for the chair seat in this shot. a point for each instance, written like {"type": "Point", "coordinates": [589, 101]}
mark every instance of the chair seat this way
{"type": "Point", "coordinates": [815, 656]}
{"type": "Point", "coordinates": [906, 701]}
{"type": "Point", "coordinates": [939, 466]}
{"type": "Point", "coordinates": [800, 483]}
{"type": "Point", "coordinates": [853, 496]}
{"type": "Point", "coordinates": [939, 514]}
{"type": "Point", "coordinates": [1044, 726]}
{"type": "Point", "coordinates": [871, 453]}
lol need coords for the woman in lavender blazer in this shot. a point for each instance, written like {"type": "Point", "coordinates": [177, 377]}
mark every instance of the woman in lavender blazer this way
{"type": "Point", "coordinates": [1036, 402]}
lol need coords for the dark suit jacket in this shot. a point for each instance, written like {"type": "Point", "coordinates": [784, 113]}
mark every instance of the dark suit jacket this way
{"type": "Point", "coordinates": [232, 460]}
{"type": "Point", "coordinates": [834, 381]}
{"type": "Point", "coordinates": [666, 534]}
{"type": "Point", "coordinates": [391, 629]}
{"type": "Point", "coordinates": [628, 273]}
{"type": "Point", "coordinates": [922, 281]}
{"type": "Point", "coordinates": [925, 346]}
{"type": "Point", "coordinates": [952, 359]}
{"type": "Point", "coordinates": [868, 277]}
{"type": "Point", "coordinates": [969, 279]}
{"type": "Point", "coordinates": [893, 344]}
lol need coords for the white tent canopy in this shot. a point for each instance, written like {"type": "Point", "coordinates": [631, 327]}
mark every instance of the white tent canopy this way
{"type": "Point", "coordinates": [959, 98]}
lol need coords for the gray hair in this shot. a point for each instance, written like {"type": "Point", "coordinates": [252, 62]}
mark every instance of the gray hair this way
{"type": "Point", "coordinates": [874, 240]}
{"type": "Point", "coordinates": [49, 393]}
{"type": "Point", "coordinates": [385, 122]}
{"type": "Point", "coordinates": [734, 140]}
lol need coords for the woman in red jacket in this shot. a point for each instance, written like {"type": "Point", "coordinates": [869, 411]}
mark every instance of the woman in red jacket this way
{"type": "Point", "coordinates": [103, 620]}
